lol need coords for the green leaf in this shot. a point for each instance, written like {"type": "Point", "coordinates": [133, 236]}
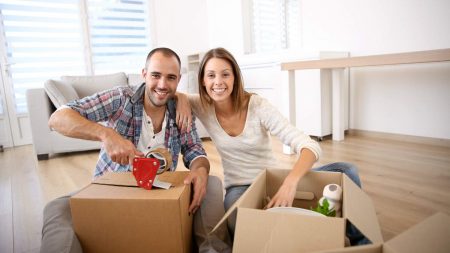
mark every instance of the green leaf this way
{"type": "Point", "coordinates": [326, 205]}
{"type": "Point", "coordinates": [324, 208]}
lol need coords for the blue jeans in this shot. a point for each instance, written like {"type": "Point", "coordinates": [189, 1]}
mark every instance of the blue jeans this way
{"type": "Point", "coordinates": [347, 168]}
{"type": "Point", "coordinates": [233, 193]}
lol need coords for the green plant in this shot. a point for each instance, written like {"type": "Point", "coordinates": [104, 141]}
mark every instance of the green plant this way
{"type": "Point", "coordinates": [324, 209]}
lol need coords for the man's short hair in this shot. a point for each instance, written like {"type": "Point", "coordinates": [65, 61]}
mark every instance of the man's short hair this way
{"type": "Point", "coordinates": [165, 51]}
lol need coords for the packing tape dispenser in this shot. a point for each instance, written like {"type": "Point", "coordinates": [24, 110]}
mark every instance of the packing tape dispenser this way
{"type": "Point", "coordinates": [146, 168]}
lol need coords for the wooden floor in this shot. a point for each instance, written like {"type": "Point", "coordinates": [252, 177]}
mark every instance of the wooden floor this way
{"type": "Point", "coordinates": [408, 179]}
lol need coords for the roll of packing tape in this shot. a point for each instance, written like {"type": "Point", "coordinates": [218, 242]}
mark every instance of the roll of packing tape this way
{"type": "Point", "coordinates": [333, 205]}
{"type": "Point", "coordinates": [164, 157]}
{"type": "Point", "coordinates": [332, 192]}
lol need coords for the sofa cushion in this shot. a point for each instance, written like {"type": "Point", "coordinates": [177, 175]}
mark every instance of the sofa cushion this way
{"type": "Point", "coordinates": [135, 79]}
{"type": "Point", "coordinates": [88, 85]}
{"type": "Point", "coordinates": [60, 92]}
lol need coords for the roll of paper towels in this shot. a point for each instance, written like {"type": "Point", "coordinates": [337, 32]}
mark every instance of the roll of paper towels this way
{"type": "Point", "coordinates": [332, 192]}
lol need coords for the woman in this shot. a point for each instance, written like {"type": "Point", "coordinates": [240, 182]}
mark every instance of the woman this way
{"type": "Point", "coordinates": [240, 123]}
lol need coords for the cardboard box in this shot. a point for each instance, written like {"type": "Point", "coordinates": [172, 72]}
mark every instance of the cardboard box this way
{"type": "Point", "coordinates": [258, 230]}
{"type": "Point", "coordinates": [110, 216]}
{"type": "Point", "coordinates": [430, 235]}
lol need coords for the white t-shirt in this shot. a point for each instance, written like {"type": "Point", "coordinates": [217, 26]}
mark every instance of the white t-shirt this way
{"type": "Point", "coordinates": [148, 139]}
{"type": "Point", "coordinates": [245, 155]}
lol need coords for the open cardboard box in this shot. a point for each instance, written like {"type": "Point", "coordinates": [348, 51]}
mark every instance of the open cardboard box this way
{"type": "Point", "coordinates": [258, 230]}
{"type": "Point", "coordinates": [430, 235]}
{"type": "Point", "coordinates": [114, 215]}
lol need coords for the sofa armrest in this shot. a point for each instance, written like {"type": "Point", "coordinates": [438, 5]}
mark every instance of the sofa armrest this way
{"type": "Point", "coordinates": [39, 109]}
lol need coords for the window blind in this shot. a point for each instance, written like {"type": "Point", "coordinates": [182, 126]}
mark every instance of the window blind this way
{"type": "Point", "coordinates": [274, 24]}
{"type": "Point", "coordinates": [46, 39]}
{"type": "Point", "coordinates": [119, 35]}
{"type": "Point", "coordinates": [43, 40]}
{"type": "Point", "coordinates": [292, 12]}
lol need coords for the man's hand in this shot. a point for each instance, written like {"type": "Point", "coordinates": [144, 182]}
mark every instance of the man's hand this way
{"type": "Point", "coordinates": [120, 149]}
{"type": "Point", "coordinates": [199, 178]}
{"type": "Point", "coordinates": [70, 123]}
{"type": "Point", "coordinates": [184, 112]}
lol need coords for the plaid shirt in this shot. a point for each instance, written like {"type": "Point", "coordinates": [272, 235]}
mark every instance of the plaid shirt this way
{"type": "Point", "coordinates": [122, 109]}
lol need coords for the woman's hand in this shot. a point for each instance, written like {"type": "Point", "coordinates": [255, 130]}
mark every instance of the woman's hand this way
{"type": "Point", "coordinates": [285, 195]}
{"type": "Point", "coordinates": [184, 112]}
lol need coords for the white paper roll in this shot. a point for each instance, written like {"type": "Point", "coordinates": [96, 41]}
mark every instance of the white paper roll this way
{"type": "Point", "coordinates": [332, 192]}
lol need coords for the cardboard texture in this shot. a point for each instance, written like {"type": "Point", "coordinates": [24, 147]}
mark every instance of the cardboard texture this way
{"type": "Point", "coordinates": [260, 231]}
{"type": "Point", "coordinates": [113, 215]}
{"type": "Point", "coordinates": [360, 211]}
{"type": "Point", "coordinates": [285, 232]}
{"type": "Point", "coordinates": [430, 235]}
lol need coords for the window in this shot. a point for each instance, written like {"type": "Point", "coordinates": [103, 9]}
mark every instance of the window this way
{"type": "Point", "coordinates": [46, 39]}
{"type": "Point", "coordinates": [273, 25]}
{"type": "Point", "coordinates": [119, 35]}
{"type": "Point", "coordinates": [37, 47]}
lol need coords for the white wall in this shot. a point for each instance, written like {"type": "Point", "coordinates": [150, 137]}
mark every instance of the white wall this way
{"type": "Point", "coordinates": [225, 25]}
{"type": "Point", "coordinates": [180, 25]}
{"type": "Point", "coordinates": [374, 27]}
{"type": "Point", "coordinates": [407, 99]}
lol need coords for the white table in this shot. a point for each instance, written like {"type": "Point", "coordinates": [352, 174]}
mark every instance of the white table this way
{"type": "Point", "coordinates": [337, 67]}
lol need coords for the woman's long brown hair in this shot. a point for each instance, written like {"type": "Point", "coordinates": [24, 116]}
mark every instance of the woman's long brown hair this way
{"type": "Point", "coordinates": [239, 96]}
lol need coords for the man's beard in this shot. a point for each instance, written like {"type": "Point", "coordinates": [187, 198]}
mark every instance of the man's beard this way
{"type": "Point", "coordinates": [156, 102]}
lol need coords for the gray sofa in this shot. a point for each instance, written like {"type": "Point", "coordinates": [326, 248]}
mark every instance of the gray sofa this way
{"type": "Point", "coordinates": [42, 102]}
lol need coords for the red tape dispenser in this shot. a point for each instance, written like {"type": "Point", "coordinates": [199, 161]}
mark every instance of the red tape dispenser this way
{"type": "Point", "coordinates": [146, 168]}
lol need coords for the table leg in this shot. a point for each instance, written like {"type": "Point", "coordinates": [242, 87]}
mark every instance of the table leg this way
{"type": "Point", "coordinates": [338, 103]}
{"type": "Point", "coordinates": [288, 83]}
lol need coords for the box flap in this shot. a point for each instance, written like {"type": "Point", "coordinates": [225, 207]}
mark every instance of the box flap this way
{"type": "Point", "coordinates": [360, 211]}
{"type": "Point", "coordinates": [110, 187]}
{"type": "Point", "coordinates": [127, 179]}
{"type": "Point", "coordinates": [262, 231]}
{"type": "Point", "coordinates": [116, 178]}
{"type": "Point", "coordinates": [371, 248]}
{"type": "Point", "coordinates": [430, 235]}
{"type": "Point", "coordinates": [258, 185]}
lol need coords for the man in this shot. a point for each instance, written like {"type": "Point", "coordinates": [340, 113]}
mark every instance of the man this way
{"type": "Point", "coordinates": [138, 120]}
